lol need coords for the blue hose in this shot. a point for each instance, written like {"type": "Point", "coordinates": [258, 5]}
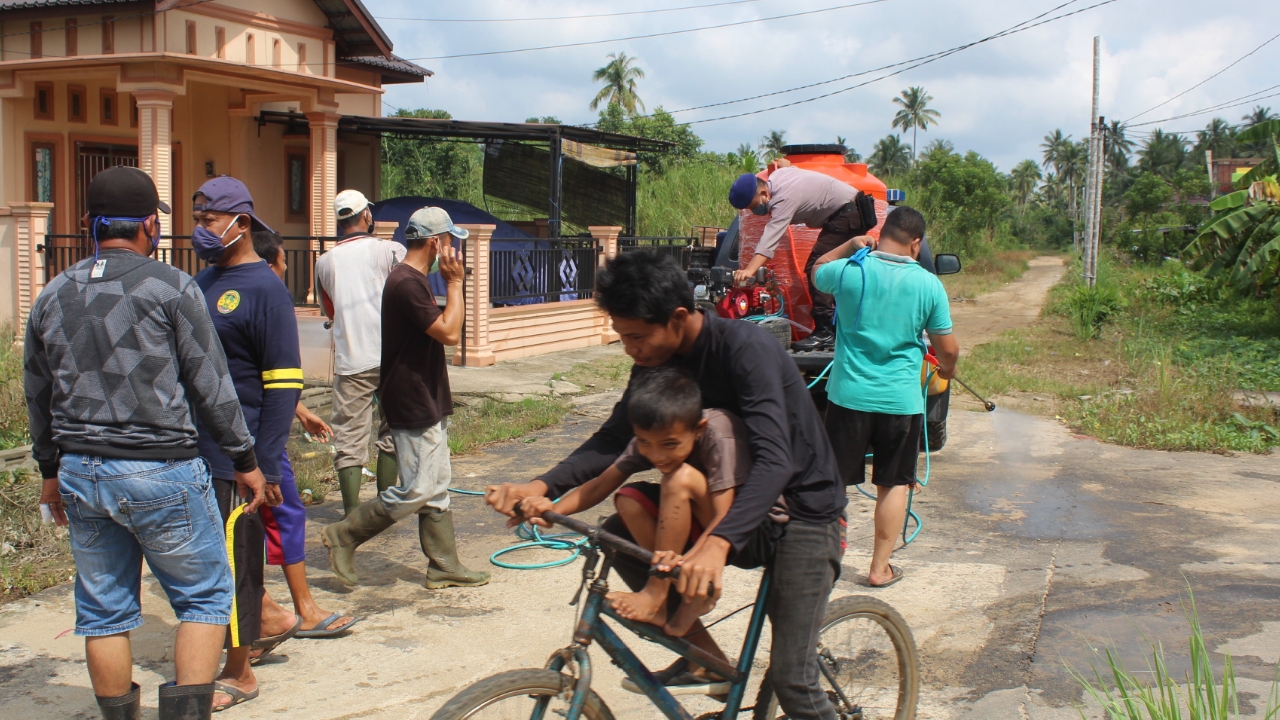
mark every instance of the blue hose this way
{"type": "Point", "coordinates": [534, 539]}
{"type": "Point", "coordinates": [922, 482]}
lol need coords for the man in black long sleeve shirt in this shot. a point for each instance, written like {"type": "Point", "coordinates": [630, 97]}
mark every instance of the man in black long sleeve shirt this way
{"type": "Point", "coordinates": [743, 369]}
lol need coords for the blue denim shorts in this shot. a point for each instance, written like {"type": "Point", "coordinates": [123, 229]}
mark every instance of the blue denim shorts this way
{"type": "Point", "coordinates": [122, 511]}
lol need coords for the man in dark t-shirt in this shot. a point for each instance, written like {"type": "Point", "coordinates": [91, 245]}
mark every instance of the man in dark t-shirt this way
{"type": "Point", "coordinates": [414, 392]}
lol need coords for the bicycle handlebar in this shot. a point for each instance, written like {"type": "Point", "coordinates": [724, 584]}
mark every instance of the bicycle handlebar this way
{"type": "Point", "coordinates": [603, 537]}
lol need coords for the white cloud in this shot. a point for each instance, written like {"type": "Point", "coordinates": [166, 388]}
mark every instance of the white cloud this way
{"type": "Point", "coordinates": [999, 98]}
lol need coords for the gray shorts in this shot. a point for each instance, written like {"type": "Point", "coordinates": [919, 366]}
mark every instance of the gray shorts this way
{"type": "Point", "coordinates": [423, 457]}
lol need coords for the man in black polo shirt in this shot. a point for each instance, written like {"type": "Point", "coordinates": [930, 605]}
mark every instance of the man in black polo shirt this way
{"type": "Point", "coordinates": [743, 369]}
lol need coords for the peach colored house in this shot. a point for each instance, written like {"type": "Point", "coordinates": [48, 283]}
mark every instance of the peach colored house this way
{"type": "Point", "coordinates": [173, 87]}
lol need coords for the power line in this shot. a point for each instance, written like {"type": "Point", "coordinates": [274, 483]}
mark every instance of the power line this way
{"type": "Point", "coordinates": [651, 35]}
{"type": "Point", "coordinates": [568, 17]}
{"type": "Point", "coordinates": [921, 61]}
{"type": "Point", "coordinates": [867, 72]}
{"type": "Point", "coordinates": [1202, 82]}
{"type": "Point", "coordinates": [1242, 100]}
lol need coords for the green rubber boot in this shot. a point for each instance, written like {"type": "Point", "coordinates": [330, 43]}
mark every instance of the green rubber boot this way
{"type": "Point", "coordinates": [349, 480]}
{"type": "Point", "coordinates": [388, 470]}
{"type": "Point", "coordinates": [343, 537]}
{"type": "Point", "coordinates": [439, 544]}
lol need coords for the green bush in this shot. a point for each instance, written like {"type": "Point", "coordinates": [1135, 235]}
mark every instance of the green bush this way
{"type": "Point", "coordinates": [1089, 308]}
{"type": "Point", "coordinates": [13, 401]}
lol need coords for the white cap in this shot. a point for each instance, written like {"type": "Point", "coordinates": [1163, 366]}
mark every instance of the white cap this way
{"type": "Point", "coordinates": [349, 203]}
{"type": "Point", "coordinates": [429, 221]}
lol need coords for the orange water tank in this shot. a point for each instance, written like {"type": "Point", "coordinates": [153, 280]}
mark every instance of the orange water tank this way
{"type": "Point", "coordinates": [829, 160]}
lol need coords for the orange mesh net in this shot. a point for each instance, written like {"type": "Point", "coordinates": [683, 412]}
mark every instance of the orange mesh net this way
{"type": "Point", "coordinates": [789, 258]}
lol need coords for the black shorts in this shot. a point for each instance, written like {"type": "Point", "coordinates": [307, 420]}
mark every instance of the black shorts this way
{"type": "Point", "coordinates": [893, 440]}
{"type": "Point", "coordinates": [247, 546]}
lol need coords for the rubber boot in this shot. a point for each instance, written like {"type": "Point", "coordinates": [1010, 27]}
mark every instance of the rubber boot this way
{"type": "Point", "coordinates": [349, 480]}
{"type": "Point", "coordinates": [388, 470]}
{"type": "Point", "coordinates": [435, 532]}
{"type": "Point", "coordinates": [186, 702]}
{"type": "Point", "coordinates": [124, 707]}
{"type": "Point", "coordinates": [822, 338]}
{"type": "Point", "coordinates": [342, 538]}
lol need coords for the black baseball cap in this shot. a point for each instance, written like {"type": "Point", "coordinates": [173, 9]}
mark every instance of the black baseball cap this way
{"type": "Point", "coordinates": [124, 191]}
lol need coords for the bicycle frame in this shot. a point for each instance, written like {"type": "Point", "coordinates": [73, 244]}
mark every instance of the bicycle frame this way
{"type": "Point", "coordinates": [591, 627]}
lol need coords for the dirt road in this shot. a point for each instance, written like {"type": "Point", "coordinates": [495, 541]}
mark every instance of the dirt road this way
{"type": "Point", "coordinates": [1037, 546]}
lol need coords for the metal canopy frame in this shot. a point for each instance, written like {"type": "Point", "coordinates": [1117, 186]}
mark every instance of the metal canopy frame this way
{"type": "Point", "coordinates": [551, 134]}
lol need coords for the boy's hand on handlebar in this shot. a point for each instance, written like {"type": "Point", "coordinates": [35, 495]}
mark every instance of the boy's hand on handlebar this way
{"type": "Point", "coordinates": [702, 570]}
{"type": "Point", "coordinates": [532, 508]}
{"type": "Point", "coordinates": [666, 560]}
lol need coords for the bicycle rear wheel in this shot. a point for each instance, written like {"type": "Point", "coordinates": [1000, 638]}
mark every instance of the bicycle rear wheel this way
{"type": "Point", "coordinates": [516, 695]}
{"type": "Point", "coordinates": [869, 650]}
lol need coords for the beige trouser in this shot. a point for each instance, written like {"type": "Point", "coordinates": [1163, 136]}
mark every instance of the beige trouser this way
{"type": "Point", "coordinates": [353, 407]}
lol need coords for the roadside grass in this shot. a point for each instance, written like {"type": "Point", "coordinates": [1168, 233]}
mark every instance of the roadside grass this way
{"type": "Point", "coordinates": [1154, 694]}
{"type": "Point", "coordinates": [607, 373]}
{"type": "Point", "coordinates": [1159, 373]}
{"type": "Point", "coordinates": [13, 403]}
{"type": "Point", "coordinates": [33, 556]}
{"type": "Point", "coordinates": [492, 421]}
{"type": "Point", "coordinates": [983, 274]}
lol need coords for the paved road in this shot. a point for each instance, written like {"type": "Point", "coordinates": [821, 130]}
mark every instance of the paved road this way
{"type": "Point", "coordinates": [1037, 547]}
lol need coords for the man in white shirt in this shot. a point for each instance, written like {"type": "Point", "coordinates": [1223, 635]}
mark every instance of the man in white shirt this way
{"type": "Point", "coordinates": [349, 281]}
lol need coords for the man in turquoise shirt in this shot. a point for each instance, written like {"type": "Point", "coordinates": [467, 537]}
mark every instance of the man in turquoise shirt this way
{"type": "Point", "coordinates": [875, 395]}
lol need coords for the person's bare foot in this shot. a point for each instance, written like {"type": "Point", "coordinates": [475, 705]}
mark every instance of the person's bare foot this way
{"type": "Point", "coordinates": [246, 684]}
{"type": "Point", "coordinates": [312, 620]}
{"type": "Point", "coordinates": [686, 615]}
{"type": "Point", "coordinates": [647, 606]}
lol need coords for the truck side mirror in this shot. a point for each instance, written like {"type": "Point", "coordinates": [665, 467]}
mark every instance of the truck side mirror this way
{"type": "Point", "coordinates": [946, 264]}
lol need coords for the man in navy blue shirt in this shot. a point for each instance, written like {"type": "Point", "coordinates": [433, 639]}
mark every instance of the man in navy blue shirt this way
{"type": "Point", "coordinates": [253, 314]}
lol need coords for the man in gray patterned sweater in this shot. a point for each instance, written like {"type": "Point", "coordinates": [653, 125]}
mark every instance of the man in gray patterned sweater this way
{"type": "Point", "coordinates": [120, 350]}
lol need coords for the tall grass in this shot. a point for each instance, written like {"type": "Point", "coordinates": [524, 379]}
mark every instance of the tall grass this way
{"type": "Point", "coordinates": [13, 403]}
{"type": "Point", "coordinates": [689, 193]}
{"type": "Point", "coordinates": [1124, 696]}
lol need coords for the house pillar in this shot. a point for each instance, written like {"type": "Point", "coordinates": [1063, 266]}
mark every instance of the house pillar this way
{"type": "Point", "coordinates": [31, 222]}
{"type": "Point", "coordinates": [606, 239]}
{"type": "Point", "coordinates": [385, 230]}
{"type": "Point", "coordinates": [324, 173]}
{"type": "Point", "coordinates": [155, 146]}
{"type": "Point", "coordinates": [475, 287]}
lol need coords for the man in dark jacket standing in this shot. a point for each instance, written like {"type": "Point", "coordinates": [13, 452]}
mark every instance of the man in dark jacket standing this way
{"type": "Point", "coordinates": [743, 369]}
{"type": "Point", "coordinates": [119, 350]}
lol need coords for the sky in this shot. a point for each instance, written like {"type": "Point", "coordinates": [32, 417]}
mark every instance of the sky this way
{"type": "Point", "coordinates": [999, 98]}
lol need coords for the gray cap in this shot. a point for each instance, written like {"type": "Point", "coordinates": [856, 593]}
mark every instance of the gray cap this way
{"type": "Point", "coordinates": [429, 221]}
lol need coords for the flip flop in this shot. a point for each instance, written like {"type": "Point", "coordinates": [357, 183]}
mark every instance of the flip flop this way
{"type": "Point", "coordinates": [267, 644]}
{"type": "Point", "coordinates": [237, 695]}
{"type": "Point", "coordinates": [322, 629]}
{"type": "Point", "coordinates": [897, 575]}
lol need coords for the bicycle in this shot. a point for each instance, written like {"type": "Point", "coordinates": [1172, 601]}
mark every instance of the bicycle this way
{"type": "Point", "coordinates": [863, 641]}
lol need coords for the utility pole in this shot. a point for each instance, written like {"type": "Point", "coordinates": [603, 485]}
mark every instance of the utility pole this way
{"type": "Point", "coordinates": [1208, 166]}
{"type": "Point", "coordinates": [1093, 176]}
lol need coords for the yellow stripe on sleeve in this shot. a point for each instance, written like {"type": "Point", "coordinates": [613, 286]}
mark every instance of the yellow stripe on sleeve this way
{"type": "Point", "coordinates": [282, 386]}
{"type": "Point", "coordinates": [282, 374]}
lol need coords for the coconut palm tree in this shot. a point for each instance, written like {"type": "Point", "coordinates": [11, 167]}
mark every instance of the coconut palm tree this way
{"type": "Point", "coordinates": [850, 155]}
{"type": "Point", "coordinates": [747, 159]}
{"type": "Point", "coordinates": [1163, 154]}
{"type": "Point", "coordinates": [915, 114]}
{"type": "Point", "coordinates": [1258, 116]}
{"type": "Point", "coordinates": [890, 157]}
{"type": "Point", "coordinates": [1026, 176]}
{"type": "Point", "coordinates": [1053, 146]}
{"type": "Point", "coordinates": [1219, 137]}
{"type": "Point", "coordinates": [619, 77]}
{"type": "Point", "coordinates": [771, 145]}
{"type": "Point", "coordinates": [1118, 147]}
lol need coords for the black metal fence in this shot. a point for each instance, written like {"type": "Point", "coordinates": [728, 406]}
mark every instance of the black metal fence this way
{"type": "Point", "coordinates": [673, 247]}
{"type": "Point", "coordinates": [63, 251]}
{"type": "Point", "coordinates": [554, 270]}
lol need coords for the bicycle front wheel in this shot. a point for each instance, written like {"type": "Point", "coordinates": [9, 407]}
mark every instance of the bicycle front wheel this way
{"type": "Point", "coordinates": [518, 695]}
{"type": "Point", "coordinates": [867, 648]}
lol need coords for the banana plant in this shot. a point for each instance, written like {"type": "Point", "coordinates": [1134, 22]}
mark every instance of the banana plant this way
{"type": "Point", "coordinates": [1242, 238]}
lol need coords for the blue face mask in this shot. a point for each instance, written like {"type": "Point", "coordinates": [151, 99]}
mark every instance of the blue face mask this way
{"type": "Point", "coordinates": [761, 209]}
{"type": "Point", "coordinates": [208, 246]}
